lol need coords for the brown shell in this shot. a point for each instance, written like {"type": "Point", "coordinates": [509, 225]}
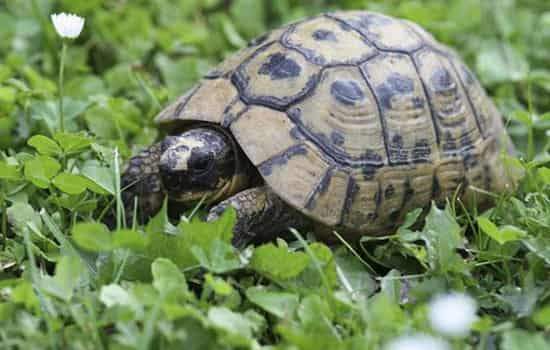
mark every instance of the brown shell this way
{"type": "Point", "coordinates": [354, 118]}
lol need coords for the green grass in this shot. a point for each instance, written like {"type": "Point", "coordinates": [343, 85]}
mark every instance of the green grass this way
{"type": "Point", "coordinates": [66, 281]}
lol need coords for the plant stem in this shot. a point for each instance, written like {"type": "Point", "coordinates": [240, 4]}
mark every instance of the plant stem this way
{"type": "Point", "coordinates": [3, 208]}
{"type": "Point", "coordinates": [61, 69]}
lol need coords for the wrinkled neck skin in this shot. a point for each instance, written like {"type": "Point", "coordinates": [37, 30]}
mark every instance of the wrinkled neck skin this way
{"type": "Point", "coordinates": [202, 163]}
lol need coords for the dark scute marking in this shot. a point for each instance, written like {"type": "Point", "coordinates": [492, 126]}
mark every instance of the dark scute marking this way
{"type": "Point", "coordinates": [347, 92]}
{"type": "Point", "coordinates": [337, 138]}
{"type": "Point", "coordinates": [418, 102]}
{"type": "Point", "coordinates": [296, 134]}
{"type": "Point", "coordinates": [394, 215]}
{"type": "Point", "coordinates": [395, 84]}
{"type": "Point", "coordinates": [436, 188]}
{"type": "Point", "coordinates": [345, 26]}
{"type": "Point", "coordinates": [442, 82]}
{"type": "Point", "coordinates": [266, 167]}
{"type": "Point", "coordinates": [213, 74]}
{"type": "Point", "coordinates": [373, 162]}
{"type": "Point", "coordinates": [371, 217]}
{"type": "Point", "coordinates": [397, 152]}
{"type": "Point", "coordinates": [295, 113]}
{"type": "Point", "coordinates": [321, 188]}
{"type": "Point", "coordinates": [351, 191]}
{"type": "Point", "coordinates": [470, 160]}
{"type": "Point", "coordinates": [466, 140]}
{"type": "Point", "coordinates": [259, 40]}
{"type": "Point", "coordinates": [389, 191]}
{"type": "Point", "coordinates": [408, 193]}
{"type": "Point", "coordinates": [279, 66]}
{"type": "Point", "coordinates": [421, 151]}
{"type": "Point", "coordinates": [449, 143]}
{"type": "Point", "coordinates": [324, 35]}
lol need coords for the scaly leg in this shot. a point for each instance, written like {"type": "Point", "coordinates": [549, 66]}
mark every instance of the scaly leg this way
{"type": "Point", "coordinates": [261, 216]}
{"type": "Point", "coordinates": [141, 180]}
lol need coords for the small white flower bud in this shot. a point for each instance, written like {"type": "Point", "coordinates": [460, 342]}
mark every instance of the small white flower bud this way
{"type": "Point", "coordinates": [417, 342]}
{"type": "Point", "coordinates": [452, 314]}
{"type": "Point", "coordinates": [67, 25]}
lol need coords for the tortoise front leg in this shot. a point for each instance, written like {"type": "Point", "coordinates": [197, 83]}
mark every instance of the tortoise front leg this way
{"type": "Point", "coordinates": [141, 182]}
{"type": "Point", "coordinates": [261, 216]}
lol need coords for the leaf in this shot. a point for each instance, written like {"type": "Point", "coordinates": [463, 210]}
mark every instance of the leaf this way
{"type": "Point", "coordinates": [93, 236]}
{"type": "Point", "coordinates": [410, 219]}
{"type": "Point", "coordinates": [221, 257]}
{"type": "Point", "coordinates": [517, 339]}
{"type": "Point", "coordinates": [70, 183]}
{"type": "Point", "coordinates": [49, 113]}
{"type": "Point", "coordinates": [522, 301]}
{"type": "Point", "coordinates": [198, 235]}
{"type": "Point", "coordinates": [498, 62]}
{"type": "Point", "coordinates": [167, 277]}
{"type": "Point", "coordinates": [503, 235]}
{"type": "Point", "coordinates": [277, 262]}
{"type": "Point", "coordinates": [539, 246]}
{"type": "Point", "coordinates": [41, 169]}
{"type": "Point", "coordinates": [24, 294]}
{"type": "Point", "coordinates": [231, 322]}
{"type": "Point", "coordinates": [130, 239]}
{"type": "Point", "coordinates": [22, 215]}
{"type": "Point", "coordinates": [72, 143]}
{"type": "Point", "coordinates": [113, 295]}
{"type": "Point", "coordinates": [218, 285]}
{"type": "Point", "coordinates": [68, 273]}
{"type": "Point", "coordinates": [542, 173]}
{"type": "Point", "coordinates": [442, 237]}
{"type": "Point", "coordinates": [102, 177]}
{"type": "Point", "coordinates": [44, 145]}
{"type": "Point", "coordinates": [160, 223]}
{"type": "Point", "coordinates": [9, 172]}
{"type": "Point", "coordinates": [280, 304]}
{"type": "Point", "coordinates": [542, 317]}
{"type": "Point", "coordinates": [353, 276]}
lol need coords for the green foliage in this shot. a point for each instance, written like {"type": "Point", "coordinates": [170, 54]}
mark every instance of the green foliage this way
{"type": "Point", "coordinates": [67, 280]}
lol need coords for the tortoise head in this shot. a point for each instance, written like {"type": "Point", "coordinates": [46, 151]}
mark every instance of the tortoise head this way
{"type": "Point", "coordinates": [199, 163]}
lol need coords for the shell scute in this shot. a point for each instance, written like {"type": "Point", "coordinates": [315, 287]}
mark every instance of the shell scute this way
{"type": "Point", "coordinates": [263, 121]}
{"type": "Point", "coordinates": [323, 41]}
{"type": "Point", "coordinates": [342, 117]}
{"type": "Point", "coordinates": [453, 116]}
{"type": "Point", "coordinates": [408, 132]}
{"type": "Point", "coordinates": [275, 77]}
{"type": "Point", "coordinates": [385, 32]}
{"type": "Point", "coordinates": [197, 103]}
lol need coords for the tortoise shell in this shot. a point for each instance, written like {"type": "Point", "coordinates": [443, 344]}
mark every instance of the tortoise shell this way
{"type": "Point", "coordinates": [354, 118]}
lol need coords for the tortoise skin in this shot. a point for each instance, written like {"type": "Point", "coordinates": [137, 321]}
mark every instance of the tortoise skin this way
{"type": "Point", "coordinates": [354, 118]}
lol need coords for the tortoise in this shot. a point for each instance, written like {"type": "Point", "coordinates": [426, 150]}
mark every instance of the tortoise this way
{"type": "Point", "coordinates": [346, 120]}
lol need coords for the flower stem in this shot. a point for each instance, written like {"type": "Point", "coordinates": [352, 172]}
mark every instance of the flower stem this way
{"type": "Point", "coordinates": [61, 69]}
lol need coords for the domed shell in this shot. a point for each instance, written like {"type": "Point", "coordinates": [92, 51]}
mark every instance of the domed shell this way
{"type": "Point", "coordinates": [354, 118]}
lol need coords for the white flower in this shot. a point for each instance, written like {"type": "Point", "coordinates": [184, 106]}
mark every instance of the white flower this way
{"type": "Point", "coordinates": [417, 342]}
{"type": "Point", "coordinates": [67, 25]}
{"type": "Point", "coordinates": [452, 314]}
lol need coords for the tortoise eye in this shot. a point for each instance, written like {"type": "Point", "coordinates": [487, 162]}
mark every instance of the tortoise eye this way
{"type": "Point", "coordinates": [202, 163]}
